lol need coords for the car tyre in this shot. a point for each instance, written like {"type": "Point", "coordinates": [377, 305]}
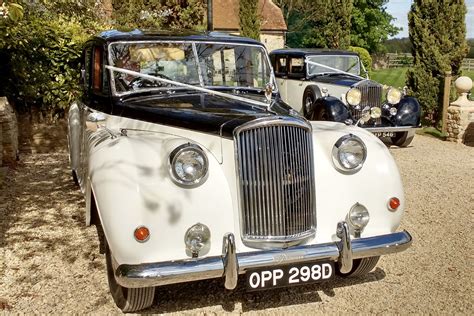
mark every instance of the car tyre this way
{"type": "Point", "coordinates": [402, 139]}
{"type": "Point", "coordinates": [127, 299]}
{"type": "Point", "coordinates": [310, 95]}
{"type": "Point", "coordinates": [360, 267]}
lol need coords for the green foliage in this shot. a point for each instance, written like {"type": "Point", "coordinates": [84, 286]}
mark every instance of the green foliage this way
{"type": "Point", "coordinates": [364, 56]}
{"type": "Point", "coordinates": [11, 10]}
{"type": "Point", "coordinates": [394, 77]}
{"type": "Point", "coordinates": [159, 14]}
{"type": "Point", "coordinates": [438, 34]}
{"type": "Point", "coordinates": [398, 45]}
{"type": "Point", "coordinates": [249, 19]}
{"type": "Point", "coordinates": [371, 25]}
{"type": "Point", "coordinates": [42, 55]}
{"type": "Point", "coordinates": [317, 23]}
{"type": "Point", "coordinates": [470, 43]}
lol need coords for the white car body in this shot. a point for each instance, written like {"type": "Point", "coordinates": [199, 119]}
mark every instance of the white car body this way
{"type": "Point", "coordinates": [122, 157]}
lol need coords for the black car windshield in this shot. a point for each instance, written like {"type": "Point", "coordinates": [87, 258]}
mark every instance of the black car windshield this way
{"type": "Point", "coordinates": [327, 64]}
{"type": "Point", "coordinates": [194, 63]}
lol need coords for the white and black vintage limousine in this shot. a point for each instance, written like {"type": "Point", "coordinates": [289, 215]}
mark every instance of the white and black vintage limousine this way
{"type": "Point", "coordinates": [194, 168]}
{"type": "Point", "coordinates": [327, 85]}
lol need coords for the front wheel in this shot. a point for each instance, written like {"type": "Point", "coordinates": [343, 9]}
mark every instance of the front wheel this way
{"type": "Point", "coordinates": [402, 139]}
{"type": "Point", "coordinates": [127, 299]}
{"type": "Point", "coordinates": [360, 267]}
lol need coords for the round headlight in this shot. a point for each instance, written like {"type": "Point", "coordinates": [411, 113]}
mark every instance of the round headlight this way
{"type": "Point", "coordinates": [189, 165]}
{"type": "Point", "coordinates": [353, 96]}
{"type": "Point", "coordinates": [359, 216]}
{"type": "Point", "coordinates": [394, 96]}
{"type": "Point", "coordinates": [349, 154]}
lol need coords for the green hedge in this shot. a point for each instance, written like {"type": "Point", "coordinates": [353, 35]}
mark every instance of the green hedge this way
{"type": "Point", "coordinates": [364, 56]}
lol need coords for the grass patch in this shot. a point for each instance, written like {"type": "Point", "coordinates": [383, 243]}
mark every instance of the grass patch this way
{"type": "Point", "coordinates": [469, 74]}
{"type": "Point", "coordinates": [394, 77]}
{"type": "Point", "coordinates": [431, 131]}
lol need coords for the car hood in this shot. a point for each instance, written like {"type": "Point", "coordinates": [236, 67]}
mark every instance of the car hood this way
{"type": "Point", "coordinates": [198, 111]}
{"type": "Point", "coordinates": [336, 79]}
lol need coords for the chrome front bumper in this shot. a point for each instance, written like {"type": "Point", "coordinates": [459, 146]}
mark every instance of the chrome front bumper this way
{"type": "Point", "coordinates": [394, 129]}
{"type": "Point", "coordinates": [231, 264]}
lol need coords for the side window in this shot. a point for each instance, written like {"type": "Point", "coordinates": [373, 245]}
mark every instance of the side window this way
{"type": "Point", "coordinates": [280, 65]}
{"type": "Point", "coordinates": [97, 70]}
{"type": "Point", "coordinates": [296, 66]}
{"type": "Point", "coordinates": [86, 67]}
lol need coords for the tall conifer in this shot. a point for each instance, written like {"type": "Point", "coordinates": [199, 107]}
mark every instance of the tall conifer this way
{"type": "Point", "coordinates": [249, 19]}
{"type": "Point", "coordinates": [438, 34]}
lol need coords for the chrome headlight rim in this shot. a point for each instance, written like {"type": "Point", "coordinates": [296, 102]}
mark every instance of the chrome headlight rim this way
{"type": "Point", "coordinates": [341, 142]}
{"type": "Point", "coordinates": [393, 93]}
{"type": "Point", "coordinates": [352, 91]}
{"type": "Point", "coordinates": [172, 160]}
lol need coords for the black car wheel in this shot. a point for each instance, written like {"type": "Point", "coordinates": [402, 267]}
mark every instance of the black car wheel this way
{"type": "Point", "coordinates": [311, 94]}
{"type": "Point", "coordinates": [360, 267]}
{"type": "Point", "coordinates": [127, 299]}
{"type": "Point", "coordinates": [402, 139]}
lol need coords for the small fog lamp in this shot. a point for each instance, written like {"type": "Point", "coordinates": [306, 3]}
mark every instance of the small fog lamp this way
{"type": "Point", "coordinates": [196, 238]}
{"type": "Point", "coordinates": [359, 216]}
{"type": "Point", "coordinates": [375, 112]}
{"type": "Point", "coordinates": [393, 111]}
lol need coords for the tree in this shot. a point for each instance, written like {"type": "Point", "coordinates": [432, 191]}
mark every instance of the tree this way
{"type": "Point", "coordinates": [317, 23]}
{"type": "Point", "coordinates": [371, 25]}
{"type": "Point", "coordinates": [249, 19]}
{"type": "Point", "coordinates": [438, 34]}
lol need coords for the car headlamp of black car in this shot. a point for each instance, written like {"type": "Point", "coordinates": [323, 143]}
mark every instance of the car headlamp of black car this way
{"type": "Point", "coordinates": [353, 96]}
{"type": "Point", "coordinates": [349, 154]}
{"type": "Point", "coordinates": [394, 96]}
{"type": "Point", "coordinates": [189, 165]}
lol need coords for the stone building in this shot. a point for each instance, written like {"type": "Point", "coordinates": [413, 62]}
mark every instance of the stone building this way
{"type": "Point", "coordinates": [273, 26]}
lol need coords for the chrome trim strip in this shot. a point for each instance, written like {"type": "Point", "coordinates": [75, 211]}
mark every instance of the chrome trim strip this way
{"type": "Point", "coordinates": [390, 129]}
{"type": "Point", "coordinates": [178, 271]}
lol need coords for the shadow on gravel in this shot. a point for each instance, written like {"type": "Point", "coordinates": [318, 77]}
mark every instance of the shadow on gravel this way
{"type": "Point", "coordinates": [201, 294]}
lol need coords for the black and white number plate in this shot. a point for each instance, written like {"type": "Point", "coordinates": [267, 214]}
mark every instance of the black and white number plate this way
{"type": "Point", "coordinates": [295, 274]}
{"type": "Point", "coordinates": [384, 134]}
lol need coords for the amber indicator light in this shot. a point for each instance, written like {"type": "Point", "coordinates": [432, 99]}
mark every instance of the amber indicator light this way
{"type": "Point", "coordinates": [141, 234]}
{"type": "Point", "coordinates": [394, 203]}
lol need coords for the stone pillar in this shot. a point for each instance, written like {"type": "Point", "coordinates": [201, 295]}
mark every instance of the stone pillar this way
{"type": "Point", "coordinates": [460, 121]}
{"type": "Point", "coordinates": [9, 133]}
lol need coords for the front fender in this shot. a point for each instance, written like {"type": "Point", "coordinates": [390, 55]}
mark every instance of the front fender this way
{"type": "Point", "coordinates": [375, 183]}
{"type": "Point", "coordinates": [335, 108]}
{"type": "Point", "coordinates": [408, 112]}
{"type": "Point", "coordinates": [129, 178]}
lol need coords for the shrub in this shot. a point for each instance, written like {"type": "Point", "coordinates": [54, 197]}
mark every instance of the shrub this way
{"type": "Point", "coordinates": [364, 56]}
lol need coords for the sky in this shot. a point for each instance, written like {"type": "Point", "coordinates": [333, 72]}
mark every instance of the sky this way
{"type": "Point", "coordinates": [399, 10]}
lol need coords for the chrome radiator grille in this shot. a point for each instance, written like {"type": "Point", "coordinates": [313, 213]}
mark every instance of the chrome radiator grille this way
{"type": "Point", "coordinates": [371, 96]}
{"type": "Point", "coordinates": [275, 167]}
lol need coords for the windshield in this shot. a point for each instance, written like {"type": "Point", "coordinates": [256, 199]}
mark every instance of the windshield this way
{"type": "Point", "coordinates": [194, 63]}
{"type": "Point", "coordinates": [333, 64]}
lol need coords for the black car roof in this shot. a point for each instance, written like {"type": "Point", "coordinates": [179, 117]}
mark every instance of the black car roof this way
{"type": "Point", "coordinates": [186, 35]}
{"type": "Point", "coordinates": [312, 51]}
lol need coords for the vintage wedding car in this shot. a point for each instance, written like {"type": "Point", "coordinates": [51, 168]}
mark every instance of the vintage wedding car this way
{"type": "Point", "coordinates": [327, 85]}
{"type": "Point", "coordinates": [195, 169]}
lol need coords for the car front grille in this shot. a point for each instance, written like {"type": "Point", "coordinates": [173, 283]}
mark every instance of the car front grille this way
{"type": "Point", "coordinates": [276, 182]}
{"type": "Point", "coordinates": [371, 97]}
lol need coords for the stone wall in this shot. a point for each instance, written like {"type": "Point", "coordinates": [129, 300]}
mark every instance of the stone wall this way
{"type": "Point", "coordinates": [8, 133]}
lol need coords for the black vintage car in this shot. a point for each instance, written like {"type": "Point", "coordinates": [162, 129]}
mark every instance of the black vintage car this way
{"type": "Point", "coordinates": [194, 168]}
{"type": "Point", "coordinates": [332, 85]}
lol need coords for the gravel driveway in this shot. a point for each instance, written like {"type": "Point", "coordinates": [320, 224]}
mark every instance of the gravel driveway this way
{"type": "Point", "coordinates": [49, 261]}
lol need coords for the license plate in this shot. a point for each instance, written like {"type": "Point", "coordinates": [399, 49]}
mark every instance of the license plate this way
{"type": "Point", "coordinates": [295, 274]}
{"type": "Point", "coordinates": [384, 134]}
